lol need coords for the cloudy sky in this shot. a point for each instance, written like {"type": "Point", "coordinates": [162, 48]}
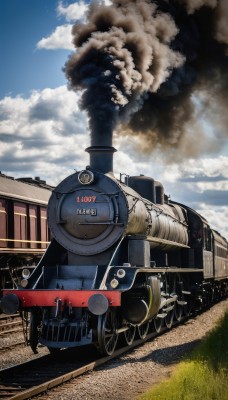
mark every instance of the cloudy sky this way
{"type": "Point", "coordinates": [44, 133]}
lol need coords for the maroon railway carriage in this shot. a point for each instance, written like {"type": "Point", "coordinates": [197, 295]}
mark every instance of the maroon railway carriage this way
{"type": "Point", "coordinates": [24, 233]}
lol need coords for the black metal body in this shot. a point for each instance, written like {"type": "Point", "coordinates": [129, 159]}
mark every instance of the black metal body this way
{"type": "Point", "coordinates": [89, 219]}
{"type": "Point", "coordinates": [122, 254]}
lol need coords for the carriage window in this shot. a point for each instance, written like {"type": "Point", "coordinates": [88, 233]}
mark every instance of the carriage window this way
{"type": "Point", "coordinates": [20, 225]}
{"type": "Point", "coordinates": [3, 223]}
{"type": "Point", "coordinates": [33, 226]}
{"type": "Point", "coordinates": [44, 228]}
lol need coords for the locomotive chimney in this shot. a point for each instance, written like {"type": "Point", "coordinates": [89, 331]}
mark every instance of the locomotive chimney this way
{"type": "Point", "coordinates": [101, 152]}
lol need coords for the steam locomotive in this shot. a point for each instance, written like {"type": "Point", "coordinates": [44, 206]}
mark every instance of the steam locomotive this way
{"type": "Point", "coordinates": [124, 258]}
{"type": "Point", "coordinates": [24, 234]}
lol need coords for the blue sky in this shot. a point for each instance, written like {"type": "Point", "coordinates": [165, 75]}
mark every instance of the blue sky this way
{"type": "Point", "coordinates": [44, 133]}
{"type": "Point", "coordinates": [23, 67]}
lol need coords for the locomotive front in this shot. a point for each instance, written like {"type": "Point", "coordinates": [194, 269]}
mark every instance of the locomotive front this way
{"type": "Point", "coordinates": [88, 213]}
{"type": "Point", "coordinates": [98, 278]}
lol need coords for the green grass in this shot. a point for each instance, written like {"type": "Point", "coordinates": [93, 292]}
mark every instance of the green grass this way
{"type": "Point", "coordinates": [203, 375]}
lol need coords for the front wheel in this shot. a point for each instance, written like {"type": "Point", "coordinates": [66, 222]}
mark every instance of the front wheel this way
{"type": "Point", "coordinates": [106, 332]}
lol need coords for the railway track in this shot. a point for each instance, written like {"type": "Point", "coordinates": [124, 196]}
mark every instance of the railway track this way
{"type": "Point", "coordinates": [10, 324]}
{"type": "Point", "coordinates": [37, 376]}
{"type": "Point", "coordinates": [29, 379]}
{"type": "Point", "coordinates": [12, 346]}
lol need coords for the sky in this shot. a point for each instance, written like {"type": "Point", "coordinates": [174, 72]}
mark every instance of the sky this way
{"type": "Point", "coordinates": [44, 133]}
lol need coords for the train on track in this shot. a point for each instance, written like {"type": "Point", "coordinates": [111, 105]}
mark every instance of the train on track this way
{"type": "Point", "coordinates": [123, 258]}
{"type": "Point", "coordinates": [24, 233]}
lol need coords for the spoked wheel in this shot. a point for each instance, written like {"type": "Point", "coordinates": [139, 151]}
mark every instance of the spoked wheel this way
{"type": "Point", "coordinates": [143, 330]}
{"type": "Point", "coordinates": [157, 324]}
{"type": "Point", "coordinates": [177, 289]}
{"type": "Point", "coordinates": [170, 286]}
{"type": "Point", "coordinates": [106, 332]}
{"type": "Point", "coordinates": [129, 335]}
{"type": "Point", "coordinates": [178, 311]}
{"type": "Point", "coordinates": [169, 319]}
{"type": "Point", "coordinates": [187, 308]}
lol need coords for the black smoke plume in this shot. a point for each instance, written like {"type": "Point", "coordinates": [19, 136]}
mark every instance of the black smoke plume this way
{"type": "Point", "coordinates": [142, 64]}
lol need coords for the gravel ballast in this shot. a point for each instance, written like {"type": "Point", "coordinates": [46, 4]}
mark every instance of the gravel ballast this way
{"type": "Point", "coordinates": [133, 373]}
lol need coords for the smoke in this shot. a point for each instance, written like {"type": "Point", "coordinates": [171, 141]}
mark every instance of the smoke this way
{"type": "Point", "coordinates": [193, 5]}
{"type": "Point", "coordinates": [141, 63]}
{"type": "Point", "coordinates": [221, 23]}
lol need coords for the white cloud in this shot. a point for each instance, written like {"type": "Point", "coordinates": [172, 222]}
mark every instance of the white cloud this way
{"type": "Point", "coordinates": [216, 216]}
{"type": "Point", "coordinates": [44, 134]}
{"type": "Point", "coordinates": [73, 12]}
{"type": "Point", "coordinates": [61, 38]}
{"type": "Point", "coordinates": [212, 166]}
{"type": "Point", "coordinates": [78, 10]}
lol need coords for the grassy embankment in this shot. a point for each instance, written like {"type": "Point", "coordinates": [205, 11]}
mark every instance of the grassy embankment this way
{"type": "Point", "coordinates": [203, 375]}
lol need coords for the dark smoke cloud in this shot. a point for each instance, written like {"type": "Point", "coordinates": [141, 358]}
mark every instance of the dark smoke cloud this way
{"type": "Point", "coordinates": [140, 64]}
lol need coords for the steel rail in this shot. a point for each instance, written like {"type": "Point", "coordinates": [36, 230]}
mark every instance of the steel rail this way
{"type": "Point", "coordinates": [11, 346]}
{"type": "Point", "coordinates": [10, 324]}
{"type": "Point", "coordinates": [97, 362]}
{"type": "Point", "coordinates": [6, 332]}
{"type": "Point", "coordinates": [50, 384]}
